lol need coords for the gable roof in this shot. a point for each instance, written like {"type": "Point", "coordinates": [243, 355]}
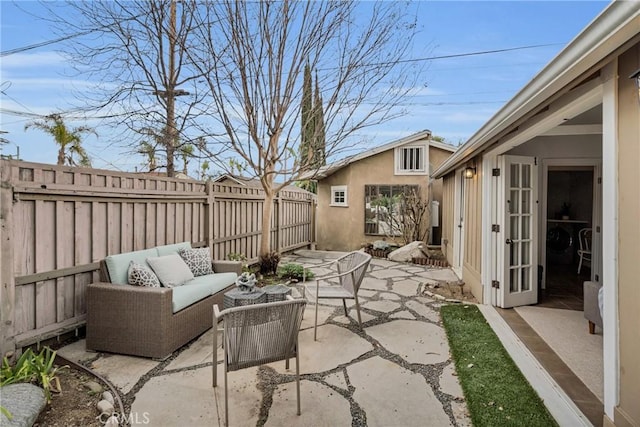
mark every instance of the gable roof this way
{"type": "Point", "coordinates": [611, 29]}
{"type": "Point", "coordinates": [424, 135]}
{"type": "Point", "coordinates": [251, 182]}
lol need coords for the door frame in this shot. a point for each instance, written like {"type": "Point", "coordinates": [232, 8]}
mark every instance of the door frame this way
{"type": "Point", "coordinates": [596, 220]}
{"type": "Point", "coordinates": [459, 224]}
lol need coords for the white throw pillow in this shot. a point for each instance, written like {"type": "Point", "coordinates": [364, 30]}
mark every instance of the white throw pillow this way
{"type": "Point", "coordinates": [170, 269]}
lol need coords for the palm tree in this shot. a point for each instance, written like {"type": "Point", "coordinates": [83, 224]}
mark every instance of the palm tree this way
{"type": "Point", "coordinates": [68, 140]}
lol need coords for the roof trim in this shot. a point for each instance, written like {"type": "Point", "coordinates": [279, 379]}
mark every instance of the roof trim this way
{"type": "Point", "coordinates": [613, 27]}
{"type": "Point", "coordinates": [329, 170]}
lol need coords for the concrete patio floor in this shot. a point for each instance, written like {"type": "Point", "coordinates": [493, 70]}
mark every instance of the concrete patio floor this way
{"type": "Point", "coordinates": [395, 371]}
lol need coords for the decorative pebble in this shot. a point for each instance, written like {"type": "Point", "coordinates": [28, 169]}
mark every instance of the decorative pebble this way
{"type": "Point", "coordinates": [105, 407]}
{"type": "Point", "coordinates": [112, 422]}
{"type": "Point", "coordinates": [93, 386]}
{"type": "Point", "coordinates": [108, 397]}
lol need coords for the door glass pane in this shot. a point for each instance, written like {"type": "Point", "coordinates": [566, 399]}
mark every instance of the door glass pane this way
{"type": "Point", "coordinates": [526, 279]}
{"type": "Point", "coordinates": [526, 257]}
{"type": "Point", "coordinates": [526, 233]}
{"type": "Point", "coordinates": [513, 280]}
{"type": "Point", "coordinates": [513, 254]}
{"type": "Point", "coordinates": [526, 201]}
{"type": "Point", "coordinates": [514, 228]}
{"type": "Point", "coordinates": [514, 202]}
{"type": "Point", "coordinates": [515, 175]}
{"type": "Point", "coordinates": [526, 176]}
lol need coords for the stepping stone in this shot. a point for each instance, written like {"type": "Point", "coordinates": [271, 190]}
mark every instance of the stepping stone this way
{"type": "Point", "coordinates": [414, 341]}
{"type": "Point", "coordinates": [389, 273]}
{"type": "Point", "coordinates": [406, 287]}
{"type": "Point", "coordinates": [77, 352]}
{"type": "Point", "coordinates": [444, 275]}
{"type": "Point", "coordinates": [376, 284]}
{"type": "Point", "coordinates": [123, 371]}
{"type": "Point", "coordinates": [383, 306]}
{"type": "Point", "coordinates": [380, 390]}
{"type": "Point", "coordinates": [198, 352]}
{"type": "Point", "coordinates": [423, 310]}
{"type": "Point", "coordinates": [449, 382]}
{"type": "Point", "coordinates": [335, 344]}
{"type": "Point", "coordinates": [320, 406]}
{"type": "Point", "coordinates": [404, 314]}
{"type": "Point", "coordinates": [353, 315]}
{"type": "Point", "coordinates": [389, 296]}
{"type": "Point", "coordinates": [337, 380]}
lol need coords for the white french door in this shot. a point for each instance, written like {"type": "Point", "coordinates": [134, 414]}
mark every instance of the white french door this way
{"type": "Point", "coordinates": [518, 219]}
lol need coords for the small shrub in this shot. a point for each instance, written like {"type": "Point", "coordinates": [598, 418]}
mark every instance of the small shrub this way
{"type": "Point", "coordinates": [33, 368]}
{"type": "Point", "coordinates": [237, 256]}
{"type": "Point", "coordinates": [293, 271]}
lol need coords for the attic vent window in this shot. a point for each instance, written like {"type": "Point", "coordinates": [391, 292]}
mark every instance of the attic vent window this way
{"type": "Point", "coordinates": [411, 159]}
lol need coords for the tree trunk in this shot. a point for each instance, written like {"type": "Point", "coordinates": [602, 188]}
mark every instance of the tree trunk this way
{"type": "Point", "coordinates": [267, 211]}
{"type": "Point", "coordinates": [61, 156]}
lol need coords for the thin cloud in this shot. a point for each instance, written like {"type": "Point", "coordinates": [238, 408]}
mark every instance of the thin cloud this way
{"type": "Point", "coordinates": [32, 60]}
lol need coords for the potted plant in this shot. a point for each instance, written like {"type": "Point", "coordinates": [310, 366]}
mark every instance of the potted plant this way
{"type": "Point", "coordinates": [565, 210]}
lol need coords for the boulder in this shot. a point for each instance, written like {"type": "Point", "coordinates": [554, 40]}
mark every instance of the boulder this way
{"type": "Point", "coordinates": [407, 252]}
{"type": "Point", "coordinates": [24, 402]}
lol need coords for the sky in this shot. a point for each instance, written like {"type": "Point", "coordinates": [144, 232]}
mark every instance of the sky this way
{"type": "Point", "coordinates": [457, 95]}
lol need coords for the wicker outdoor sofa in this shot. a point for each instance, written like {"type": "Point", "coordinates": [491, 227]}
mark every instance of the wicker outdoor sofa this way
{"type": "Point", "coordinates": [152, 321]}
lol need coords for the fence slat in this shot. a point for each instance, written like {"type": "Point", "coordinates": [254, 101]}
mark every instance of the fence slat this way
{"type": "Point", "coordinates": [60, 221]}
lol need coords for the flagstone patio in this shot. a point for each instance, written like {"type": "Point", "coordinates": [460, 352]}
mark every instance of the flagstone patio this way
{"type": "Point", "coordinates": [395, 371]}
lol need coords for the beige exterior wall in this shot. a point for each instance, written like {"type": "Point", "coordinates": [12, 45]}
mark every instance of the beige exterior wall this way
{"type": "Point", "coordinates": [342, 228]}
{"type": "Point", "coordinates": [448, 215]}
{"type": "Point", "coordinates": [471, 267]}
{"type": "Point", "coordinates": [628, 411]}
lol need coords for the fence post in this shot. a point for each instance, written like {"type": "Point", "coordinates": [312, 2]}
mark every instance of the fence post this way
{"type": "Point", "coordinates": [278, 201]}
{"type": "Point", "coordinates": [7, 279]}
{"type": "Point", "coordinates": [209, 208]}
{"type": "Point", "coordinates": [313, 206]}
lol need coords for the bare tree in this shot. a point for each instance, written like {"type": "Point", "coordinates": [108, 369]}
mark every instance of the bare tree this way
{"type": "Point", "coordinates": [252, 56]}
{"type": "Point", "coordinates": [135, 51]}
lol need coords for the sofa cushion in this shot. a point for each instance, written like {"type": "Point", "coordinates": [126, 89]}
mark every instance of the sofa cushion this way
{"type": "Point", "coordinates": [170, 269]}
{"type": "Point", "coordinates": [141, 275]}
{"type": "Point", "coordinates": [118, 265]}
{"type": "Point", "coordinates": [172, 249]}
{"type": "Point", "coordinates": [198, 260]}
{"type": "Point", "coordinates": [199, 288]}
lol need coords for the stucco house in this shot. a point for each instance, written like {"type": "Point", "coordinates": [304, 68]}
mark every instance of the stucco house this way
{"type": "Point", "coordinates": [561, 156]}
{"type": "Point", "coordinates": [350, 213]}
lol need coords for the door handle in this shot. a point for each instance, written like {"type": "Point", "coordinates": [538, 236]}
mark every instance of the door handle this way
{"type": "Point", "coordinates": [509, 241]}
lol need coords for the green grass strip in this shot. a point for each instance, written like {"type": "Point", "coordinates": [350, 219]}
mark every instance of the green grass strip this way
{"type": "Point", "coordinates": [496, 392]}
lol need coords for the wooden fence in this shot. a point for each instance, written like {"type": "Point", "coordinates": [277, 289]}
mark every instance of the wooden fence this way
{"type": "Point", "coordinates": [58, 222]}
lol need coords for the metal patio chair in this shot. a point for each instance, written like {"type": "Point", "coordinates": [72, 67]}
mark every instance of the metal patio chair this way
{"type": "Point", "coordinates": [343, 284]}
{"type": "Point", "coordinates": [258, 334]}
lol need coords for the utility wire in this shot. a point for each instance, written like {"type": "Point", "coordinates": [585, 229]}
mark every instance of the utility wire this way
{"type": "Point", "coordinates": [41, 44]}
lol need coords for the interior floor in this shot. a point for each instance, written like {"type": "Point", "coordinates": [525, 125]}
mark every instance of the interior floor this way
{"type": "Point", "coordinates": [562, 374]}
{"type": "Point", "coordinates": [564, 287]}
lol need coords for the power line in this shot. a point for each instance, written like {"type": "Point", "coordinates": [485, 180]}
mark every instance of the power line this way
{"type": "Point", "coordinates": [41, 44]}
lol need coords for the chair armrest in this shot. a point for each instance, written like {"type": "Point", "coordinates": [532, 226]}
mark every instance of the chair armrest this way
{"type": "Point", "coordinates": [220, 266]}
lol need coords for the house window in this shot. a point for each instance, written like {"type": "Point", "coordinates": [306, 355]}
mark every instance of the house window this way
{"type": "Point", "coordinates": [383, 208]}
{"type": "Point", "coordinates": [411, 159]}
{"type": "Point", "coordinates": [339, 195]}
